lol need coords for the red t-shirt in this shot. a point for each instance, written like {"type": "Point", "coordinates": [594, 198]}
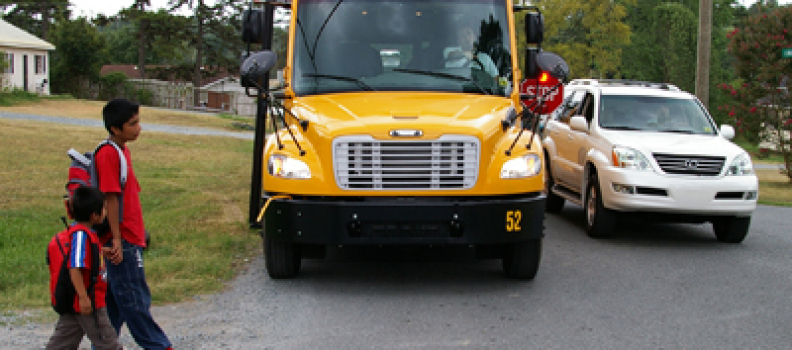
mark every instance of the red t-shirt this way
{"type": "Point", "coordinates": [76, 241]}
{"type": "Point", "coordinates": [108, 174]}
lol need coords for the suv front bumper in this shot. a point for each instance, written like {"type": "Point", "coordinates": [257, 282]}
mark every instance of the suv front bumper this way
{"type": "Point", "coordinates": [634, 191]}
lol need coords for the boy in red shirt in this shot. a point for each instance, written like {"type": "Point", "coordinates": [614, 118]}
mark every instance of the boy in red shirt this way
{"type": "Point", "coordinates": [128, 297]}
{"type": "Point", "coordinates": [89, 314]}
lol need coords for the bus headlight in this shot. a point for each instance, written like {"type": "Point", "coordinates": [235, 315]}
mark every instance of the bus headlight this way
{"type": "Point", "coordinates": [522, 167]}
{"type": "Point", "coordinates": [287, 168]}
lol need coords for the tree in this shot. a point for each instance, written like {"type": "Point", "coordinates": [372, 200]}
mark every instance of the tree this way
{"type": "Point", "coordinates": [663, 47]}
{"type": "Point", "coordinates": [589, 34]}
{"type": "Point", "coordinates": [79, 57]}
{"type": "Point", "coordinates": [223, 38]}
{"type": "Point", "coordinates": [34, 16]}
{"type": "Point", "coordinates": [760, 98]}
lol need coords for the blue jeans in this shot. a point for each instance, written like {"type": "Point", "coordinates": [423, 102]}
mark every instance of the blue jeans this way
{"type": "Point", "coordinates": [129, 300]}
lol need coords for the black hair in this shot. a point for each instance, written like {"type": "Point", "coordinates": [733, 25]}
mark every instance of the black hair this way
{"type": "Point", "coordinates": [117, 112]}
{"type": "Point", "coordinates": [86, 200]}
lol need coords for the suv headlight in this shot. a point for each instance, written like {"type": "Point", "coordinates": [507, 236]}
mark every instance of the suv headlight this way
{"type": "Point", "coordinates": [522, 167]}
{"type": "Point", "coordinates": [741, 165]}
{"type": "Point", "coordinates": [287, 168]}
{"type": "Point", "coordinates": [629, 158]}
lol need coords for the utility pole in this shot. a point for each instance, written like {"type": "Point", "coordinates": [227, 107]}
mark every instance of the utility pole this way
{"type": "Point", "coordinates": [704, 51]}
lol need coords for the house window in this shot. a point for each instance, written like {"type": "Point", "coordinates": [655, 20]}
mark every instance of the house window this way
{"type": "Point", "coordinates": [41, 64]}
{"type": "Point", "coordinates": [10, 61]}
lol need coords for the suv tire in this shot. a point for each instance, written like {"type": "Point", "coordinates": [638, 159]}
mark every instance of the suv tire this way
{"type": "Point", "coordinates": [554, 203]}
{"type": "Point", "coordinates": [731, 229]}
{"type": "Point", "coordinates": [282, 259]}
{"type": "Point", "coordinates": [600, 221]}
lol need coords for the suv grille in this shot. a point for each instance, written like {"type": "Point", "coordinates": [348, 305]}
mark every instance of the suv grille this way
{"type": "Point", "coordinates": [362, 163]}
{"type": "Point", "coordinates": [690, 165]}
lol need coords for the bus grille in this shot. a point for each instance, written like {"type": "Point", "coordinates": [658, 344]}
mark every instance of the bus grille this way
{"type": "Point", "coordinates": [362, 163]}
{"type": "Point", "coordinates": [690, 165]}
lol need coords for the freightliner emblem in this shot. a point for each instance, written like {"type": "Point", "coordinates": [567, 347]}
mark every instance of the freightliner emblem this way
{"type": "Point", "coordinates": [406, 133]}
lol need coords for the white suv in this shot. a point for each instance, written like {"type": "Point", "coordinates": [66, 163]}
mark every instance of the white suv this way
{"type": "Point", "coordinates": [646, 150]}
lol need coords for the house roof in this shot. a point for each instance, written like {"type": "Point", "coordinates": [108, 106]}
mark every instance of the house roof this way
{"type": "Point", "coordinates": [12, 36]}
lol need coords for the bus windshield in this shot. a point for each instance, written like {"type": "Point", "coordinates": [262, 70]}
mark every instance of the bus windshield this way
{"type": "Point", "coordinates": [408, 45]}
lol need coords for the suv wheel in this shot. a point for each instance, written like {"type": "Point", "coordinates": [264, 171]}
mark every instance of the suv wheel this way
{"type": "Point", "coordinates": [731, 229]}
{"type": "Point", "coordinates": [553, 203]}
{"type": "Point", "coordinates": [600, 221]}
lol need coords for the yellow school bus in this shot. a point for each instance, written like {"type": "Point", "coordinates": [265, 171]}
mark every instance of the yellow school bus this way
{"type": "Point", "coordinates": [401, 124]}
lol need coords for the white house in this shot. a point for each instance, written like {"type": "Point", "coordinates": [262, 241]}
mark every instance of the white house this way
{"type": "Point", "coordinates": [27, 57]}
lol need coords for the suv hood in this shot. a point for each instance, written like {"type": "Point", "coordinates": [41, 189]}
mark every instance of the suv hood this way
{"type": "Point", "coordinates": [665, 142]}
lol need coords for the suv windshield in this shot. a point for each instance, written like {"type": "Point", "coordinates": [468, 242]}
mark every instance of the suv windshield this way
{"type": "Point", "coordinates": [663, 114]}
{"type": "Point", "coordinates": [408, 45]}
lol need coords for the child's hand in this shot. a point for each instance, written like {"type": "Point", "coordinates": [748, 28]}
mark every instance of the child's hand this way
{"type": "Point", "coordinates": [116, 254]}
{"type": "Point", "coordinates": [107, 252]}
{"type": "Point", "coordinates": [85, 305]}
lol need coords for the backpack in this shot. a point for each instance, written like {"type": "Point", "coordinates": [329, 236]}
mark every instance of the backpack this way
{"type": "Point", "coordinates": [63, 292]}
{"type": "Point", "coordinates": [82, 172]}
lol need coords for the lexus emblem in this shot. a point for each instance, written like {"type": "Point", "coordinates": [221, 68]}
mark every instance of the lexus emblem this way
{"type": "Point", "coordinates": [406, 133]}
{"type": "Point", "coordinates": [691, 164]}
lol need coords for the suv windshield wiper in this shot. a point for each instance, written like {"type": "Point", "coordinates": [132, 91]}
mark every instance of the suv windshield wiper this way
{"type": "Point", "coordinates": [680, 131]}
{"type": "Point", "coordinates": [622, 128]}
{"type": "Point", "coordinates": [360, 83]}
{"type": "Point", "coordinates": [443, 75]}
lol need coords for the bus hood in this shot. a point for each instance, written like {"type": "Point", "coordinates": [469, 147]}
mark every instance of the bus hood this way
{"type": "Point", "coordinates": [379, 114]}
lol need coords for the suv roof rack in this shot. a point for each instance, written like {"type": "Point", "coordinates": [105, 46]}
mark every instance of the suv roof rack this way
{"type": "Point", "coordinates": [624, 82]}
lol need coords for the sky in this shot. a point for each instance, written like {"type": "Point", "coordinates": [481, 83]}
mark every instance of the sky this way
{"type": "Point", "coordinates": [91, 8]}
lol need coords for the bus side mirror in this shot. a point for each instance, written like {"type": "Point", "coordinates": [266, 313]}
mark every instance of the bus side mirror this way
{"type": "Point", "coordinates": [534, 28]}
{"type": "Point", "coordinates": [253, 30]}
{"type": "Point", "coordinates": [256, 68]}
{"type": "Point", "coordinates": [552, 64]}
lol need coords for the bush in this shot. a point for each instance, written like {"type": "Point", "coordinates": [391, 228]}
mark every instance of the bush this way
{"type": "Point", "coordinates": [16, 96]}
{"type": "Point", "coordinates": [144, 97]}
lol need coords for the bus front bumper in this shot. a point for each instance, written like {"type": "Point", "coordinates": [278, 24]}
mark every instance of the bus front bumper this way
{"type": "Point", "coordinates": [398, 221]}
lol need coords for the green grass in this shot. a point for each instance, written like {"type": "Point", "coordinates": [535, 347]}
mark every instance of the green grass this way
{"type": "Point", "coordinates": [194, 197]}
{"type": "Point", "coordinates": [774, 188]}
{"type": "Point", "coordinates": [756, 155]}
{"type": "Point", "coordinates": [16, 96]}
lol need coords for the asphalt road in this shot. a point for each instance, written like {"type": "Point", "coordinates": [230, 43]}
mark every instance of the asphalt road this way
{"type": "Point", "coordinates": [653, 286]}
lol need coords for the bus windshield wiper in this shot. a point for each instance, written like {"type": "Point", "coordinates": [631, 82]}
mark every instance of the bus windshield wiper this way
{"type": "Point", "coordinates": [443, 75]}
{"type": "Point", "coordinates": [360, 83]}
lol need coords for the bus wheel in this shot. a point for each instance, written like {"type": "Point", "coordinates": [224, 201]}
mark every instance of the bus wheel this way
{"type": "Point", "coordinates": [521, 260]}
{"type": "Point", "coordinates": [282, 259]}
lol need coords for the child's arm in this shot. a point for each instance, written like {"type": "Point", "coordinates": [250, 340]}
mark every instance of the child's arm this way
{"type": "Point", "coordinates": [82, 294]}
{"type": "Point", "coordinates": [117, 254]}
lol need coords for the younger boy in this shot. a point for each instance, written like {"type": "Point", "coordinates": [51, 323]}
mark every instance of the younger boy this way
{"type": "Point", "coordinates": [89, 314]}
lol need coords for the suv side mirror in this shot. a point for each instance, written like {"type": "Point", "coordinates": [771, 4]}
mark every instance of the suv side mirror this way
{"type": "Point", "coordinates": [578, 123]}
{"type": "Point", "coordinates": [256, 68]}
{"type": "Point", "coordinates": [727, 131]}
